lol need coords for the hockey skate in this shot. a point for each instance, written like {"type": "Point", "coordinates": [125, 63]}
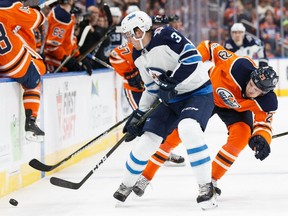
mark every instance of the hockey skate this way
{"type": "Point", "coordinates": [140, 186]}
{"type": "Point", "coordinates": [207, 196]}
{"type": "Point", "coordinates": [175, 160]}
{"type": "Point", "coordinates": [33, 132]}
{"type": "Point", "coordinates": [122, 193]}
{"type": "Point", "coordinates": [216, 188]}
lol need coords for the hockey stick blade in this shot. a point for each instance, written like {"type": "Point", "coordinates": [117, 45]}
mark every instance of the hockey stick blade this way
{"type": "Point", "coordinates": [67, 184]}
{"type": "Point", "coordinates": [36, 164]}
{"type": "Point", "coordinates": [74, 185]}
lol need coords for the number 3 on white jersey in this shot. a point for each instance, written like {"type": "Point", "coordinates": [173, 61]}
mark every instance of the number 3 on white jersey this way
{"type": "Point", "coordinates": [177, 37]}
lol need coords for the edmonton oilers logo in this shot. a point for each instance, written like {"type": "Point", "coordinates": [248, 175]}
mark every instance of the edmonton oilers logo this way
{"type": "Point", "coordinates": [227, 97]}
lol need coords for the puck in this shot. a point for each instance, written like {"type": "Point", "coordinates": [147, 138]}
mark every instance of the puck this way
{"type": "Point", "coordinates": [13, 202]}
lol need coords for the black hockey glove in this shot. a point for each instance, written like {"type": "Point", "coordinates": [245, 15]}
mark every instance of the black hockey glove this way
{"type": "Point", "coordinates": [134, 79]}
{"type": "Point", "coordinates": [167, 88]}
{"type": "Point", "coordinates": [258, 144]}
{"type": "Point", "coordinates": [132, 127]}
{"type": "Point", "coordinates": [73, 65]}
{"type": "Point", "coordinates": [87, 66]}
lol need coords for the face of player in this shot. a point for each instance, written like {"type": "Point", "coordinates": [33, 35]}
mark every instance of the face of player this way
{"type": "Point", "coordinates": [139, 40]}
{"type": "Point", "coordinates": [237, 37]}
{"type": "Point", "coordinates": [252, 91]}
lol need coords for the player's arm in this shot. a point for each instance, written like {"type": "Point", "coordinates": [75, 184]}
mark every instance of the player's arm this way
{"type": "Point", "coordinates": [261, 137]}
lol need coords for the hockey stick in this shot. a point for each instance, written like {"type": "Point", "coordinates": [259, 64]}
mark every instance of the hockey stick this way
{"type": "Point", "coordinates": [97, 45]}
{"type": "Point", "coordinates": [73, 185]}
{"type": "Point", "coordinates": [100, 61]}
{"type": "Point", "coordinates": [80, 44]}
{"type": "Point", "coordinates": [279, 135]}
{"type": "Point", "coordinates": [36, 164]}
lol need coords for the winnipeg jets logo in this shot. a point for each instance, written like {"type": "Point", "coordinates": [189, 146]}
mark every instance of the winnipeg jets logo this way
{"type": "Point", "coordinates": [155, 73]}
{"type": "Point", "coordinates": [227, 97]}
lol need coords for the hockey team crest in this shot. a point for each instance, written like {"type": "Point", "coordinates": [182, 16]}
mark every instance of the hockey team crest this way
{"type": "Point", "coordinates": [227, 97]}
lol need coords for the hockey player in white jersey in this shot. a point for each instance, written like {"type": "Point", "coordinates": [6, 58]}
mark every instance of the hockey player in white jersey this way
{"type": "Point", "coordinates": [245, 45]}
{"type": "Point", "coordinates": [172, 70]}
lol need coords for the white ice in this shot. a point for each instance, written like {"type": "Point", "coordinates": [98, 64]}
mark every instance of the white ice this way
{"type": "Point", "coordinates": [250, 187]}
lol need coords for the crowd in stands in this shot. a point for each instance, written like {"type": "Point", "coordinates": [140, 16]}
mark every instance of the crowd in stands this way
{"type": "Point", "coordinates": [268, 20]}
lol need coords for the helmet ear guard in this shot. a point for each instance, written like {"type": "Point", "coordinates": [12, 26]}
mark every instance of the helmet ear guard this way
{"type": "Point", "coordinates": [265, 78]}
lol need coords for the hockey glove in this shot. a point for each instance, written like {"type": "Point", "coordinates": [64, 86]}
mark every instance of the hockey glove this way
{"type": "Point", "coordinates": [258, 144]}
{"type": "Point", "coordinates": [167, 88]}
{"type": "Point", "coordinates": [132, 127]}
{"type": "Point", "coordinates": [134, 79]}
{"type": "Point", "coordinates": [87, 66]}
{"type": "Point", "coordinates": [73, 65]}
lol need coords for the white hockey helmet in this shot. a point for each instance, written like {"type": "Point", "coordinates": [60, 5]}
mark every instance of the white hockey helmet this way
{"type": "Point", "coordinates": [136, 19]}
{"type": "Point", "coordinates": [238, 27]}
{"type": "Point", "coordinates": [115, 11]}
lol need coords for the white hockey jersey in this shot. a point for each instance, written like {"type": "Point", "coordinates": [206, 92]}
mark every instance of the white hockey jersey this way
{"type": "Point", "coordinates": [169, 50]}
{"type": "Point", "coordinates": [251, 46]}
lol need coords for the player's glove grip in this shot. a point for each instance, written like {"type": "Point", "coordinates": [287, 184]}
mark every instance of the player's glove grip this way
{"type": "Point", "coordinates": [132, 127]}
{"type": "Point", "coordinates": [258, 144]}
{"type": "Point", "coordinates": [134, 79]}
{"type": "Point", "coordinates": [167, 88]}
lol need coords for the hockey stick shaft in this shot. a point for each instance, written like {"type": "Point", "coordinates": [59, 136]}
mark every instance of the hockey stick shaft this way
{"type": "Point", "coordinates": [100, 61]}
{"type": "Point", "coordinates": [80, 44]}
{"type": "Point", "coordinates": [96, 46]}
{"type": "Point", "coordinates": [36, 164]}
{"type": "Point", "coordinates": [72, 185]}
{"type": "Point", "coordinates": [279, 135]}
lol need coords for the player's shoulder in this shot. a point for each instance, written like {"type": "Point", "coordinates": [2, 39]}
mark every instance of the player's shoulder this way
{"type": "Point", "coordinates": [230, 45]}
{"type": "Point", "coordinates": [8, 3]}
{"type": "Point", "coordinates": [61, 14]}
{"type": "Point", "coordinates": [268, 102]}
{"type": "Point", "coordinates": [165, 34]}
{"type": "Point", "coordinates": [249, 40]}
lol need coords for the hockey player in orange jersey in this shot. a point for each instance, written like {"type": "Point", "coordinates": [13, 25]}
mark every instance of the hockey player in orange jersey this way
{"type": "Point", "coordinates": [121, 60]}
{"type": "Point", "coordinates": [240, 90]}
{"type": "Point", "coordinates": [18, 59]}
{"type": "Point", "coordinates": [61, 41]}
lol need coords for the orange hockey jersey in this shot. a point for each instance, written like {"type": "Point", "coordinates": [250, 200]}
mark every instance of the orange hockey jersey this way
{"type": "Point", "coordinates": [121, 60]}
{"type": "Point", "coordinates": [229, 77]}
{"type": "Point", "coordinates": [60, 39]}
{"type": "Point", "coordinates": [15, 58]}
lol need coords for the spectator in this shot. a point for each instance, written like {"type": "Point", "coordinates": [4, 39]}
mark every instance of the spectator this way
{"type": "Point", "coordinates": [270, 33]}
{"type": "Point", "coordinates": [60, 41]}
{"type": "Point", "coordinates": [245, 45]}
{"type": "Point", "coordinates": [94, 36]}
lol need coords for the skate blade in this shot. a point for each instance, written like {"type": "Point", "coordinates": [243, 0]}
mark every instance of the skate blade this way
{"type": "Point", "coordinates": [209, 204]}
{"type": "Point", "coordinates": [172, 164]}
{"type": "Point", "coordinates": [30, 137]}
{"type": "Point", "coordinates": [119, 204]}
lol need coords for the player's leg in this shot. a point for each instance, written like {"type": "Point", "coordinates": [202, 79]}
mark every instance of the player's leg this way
{"type": "Point", "coordinates": [155, 129]}
{"type": "Point", "coordinates": [156, 161]}
{"type": "Point", "coordinates": [191, 132]}
{"type": "Point", "coordinates": [239, 126]}
{"type": "Point", "coordinates": [31, 100]}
